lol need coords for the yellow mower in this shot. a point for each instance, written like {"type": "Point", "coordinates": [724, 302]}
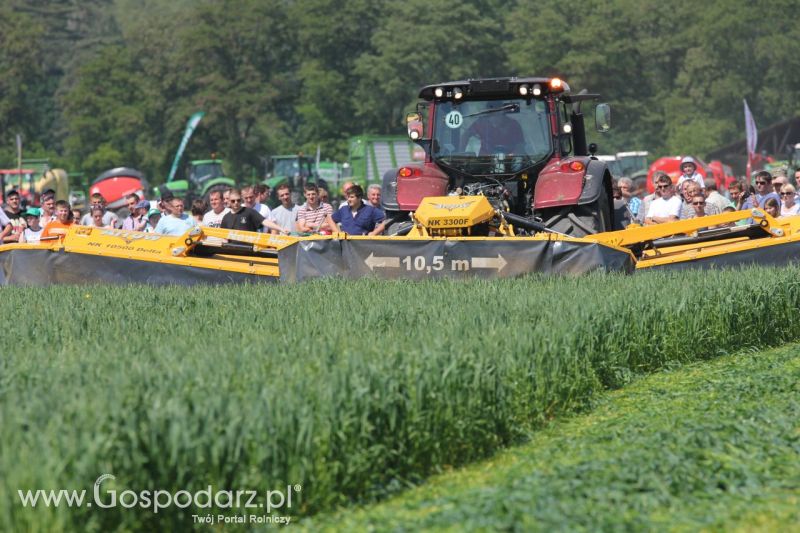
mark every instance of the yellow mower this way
{"type": "Point", "coordinates": [450, 237]}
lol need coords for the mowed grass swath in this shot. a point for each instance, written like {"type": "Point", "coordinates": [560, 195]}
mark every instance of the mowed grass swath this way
{"type": "Point", "coordinates": [352, 390]}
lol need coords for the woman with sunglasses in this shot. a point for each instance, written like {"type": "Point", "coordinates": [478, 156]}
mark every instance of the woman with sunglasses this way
{"type": "Point", "coordinates": [789, 205]}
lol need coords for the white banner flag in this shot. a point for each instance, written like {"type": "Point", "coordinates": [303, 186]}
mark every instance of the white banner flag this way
{"type": "Point", "coordinates": [751, 130]}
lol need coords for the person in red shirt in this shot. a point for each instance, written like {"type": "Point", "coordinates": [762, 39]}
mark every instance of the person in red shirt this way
{"type": "Point", "coordinates": [59, 226]}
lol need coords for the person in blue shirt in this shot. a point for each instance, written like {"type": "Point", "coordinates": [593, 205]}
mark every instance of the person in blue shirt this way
{"type": "Point", "coordinates": [356, 217]}
{"type": "Point", "coordinates": [764, 189]}
{"type": "Point", "coordinates": [177, 222]}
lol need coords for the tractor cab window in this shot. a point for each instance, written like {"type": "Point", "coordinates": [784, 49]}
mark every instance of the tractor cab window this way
{"type": "Point", "coordinates": [206, 171]}
{"type": "Point", "coordinates": [481, 133]}
{"type": "Point", "coordinates": [291, 167]}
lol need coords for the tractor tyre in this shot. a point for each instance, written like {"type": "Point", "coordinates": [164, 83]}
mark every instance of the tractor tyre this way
{"type": "Point", "coordinates": [581, 220]}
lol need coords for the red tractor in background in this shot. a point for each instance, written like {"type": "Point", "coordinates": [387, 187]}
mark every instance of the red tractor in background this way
{"type": "Point", "coordinates": [721, 173]}
{"type": "Point", "coordinates": [520, 142]}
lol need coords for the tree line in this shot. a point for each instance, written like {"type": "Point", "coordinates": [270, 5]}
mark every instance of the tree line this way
{"type": "Point", "coordinates": [104, 83]}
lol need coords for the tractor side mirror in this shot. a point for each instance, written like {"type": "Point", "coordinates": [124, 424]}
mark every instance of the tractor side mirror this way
{"type": "Point", "coordinates": [602, 117]}
{"type": "Point", "coordinates": [414, 124]}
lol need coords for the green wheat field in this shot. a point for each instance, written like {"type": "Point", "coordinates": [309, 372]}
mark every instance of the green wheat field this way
{"type": "Point", "coordinates": [354, 392]}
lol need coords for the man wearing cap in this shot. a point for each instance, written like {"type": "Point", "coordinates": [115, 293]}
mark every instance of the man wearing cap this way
{"type": "Point", "coordinates": [177, 222]}
{"type": "Point", "coordinates": [31, 233]}
{"type": "Point", "coordinates": [689, 172]}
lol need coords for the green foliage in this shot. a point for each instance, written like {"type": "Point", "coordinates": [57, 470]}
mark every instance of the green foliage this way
{"type": "Point", "coordinates": [450, 42]}
{"type": "Point", "coordinates": [21, 105]}
{"type": "Point", "coordinates": [174, 389]}
{"type": "Point", "coordinates": [712, 447]}
{"type": "Point", "coordinates": [283, 77]}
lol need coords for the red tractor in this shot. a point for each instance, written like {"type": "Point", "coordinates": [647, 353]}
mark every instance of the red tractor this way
{"type": "Point", "coordinates": [520, 142]}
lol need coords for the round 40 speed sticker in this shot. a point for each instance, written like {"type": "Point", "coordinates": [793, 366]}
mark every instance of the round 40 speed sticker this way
{"type": "Point", "coordinates": [454, 119]}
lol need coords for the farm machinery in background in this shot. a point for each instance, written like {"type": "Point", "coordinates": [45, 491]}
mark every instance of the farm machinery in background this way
{"type": "Point", "coordinates": [297, 170]}
{"type": "Point", "coordinates": [371, 156]}
{"type": "Point", "coordinates": [202, 177]}
{"type": "Point", "coordinates": [115, 184]}
{"type": "Point", "coordinates": [34, 177]}
{"type": "Point", "coordinates": [631, 165]}
{"type": "Point", "coordinates": [721, 173]}
{"type": "Point", "coordinates": [519, 142]}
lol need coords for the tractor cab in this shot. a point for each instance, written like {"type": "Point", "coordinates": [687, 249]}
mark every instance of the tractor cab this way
{"type": "Point", "coordinates": [203, 171]}
{"type": "Point", "coordinates": [292, 169]}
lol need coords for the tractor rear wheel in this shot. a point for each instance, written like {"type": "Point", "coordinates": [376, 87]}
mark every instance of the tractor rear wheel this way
{"type": "Point", "coordinates": [581, 220]}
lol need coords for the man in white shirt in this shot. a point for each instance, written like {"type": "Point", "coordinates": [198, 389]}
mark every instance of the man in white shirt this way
{"type": "Point", "coordinates": [285, 215]}
{"type": "Point", "coordinates": [667, 208]}
{"type": "Point", "coordinates": [250, 198]}
{"type": "Point", "coordinates": [213, 218]}
{"type": "Point", "coordinates": [262, 195]}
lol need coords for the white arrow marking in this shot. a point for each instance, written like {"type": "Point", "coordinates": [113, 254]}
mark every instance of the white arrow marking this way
{"type": "Point", "coordinates": [489, 262]}
{"type": "Point", "coordinates": [382, 262]}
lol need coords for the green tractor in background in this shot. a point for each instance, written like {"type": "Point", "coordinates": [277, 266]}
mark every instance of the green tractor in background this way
{"type": "Point", "coordinates": [297, 170]}
{"type": "Point", "coordinates": [203, 176]}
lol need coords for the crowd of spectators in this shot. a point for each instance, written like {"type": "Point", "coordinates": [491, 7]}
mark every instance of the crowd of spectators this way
{"type": "Point", "coordinates": [360, 213]}
{"type": "Point", "coordinates": [244, 209]}
{"type": "Point", "coordinates": [693, 196]}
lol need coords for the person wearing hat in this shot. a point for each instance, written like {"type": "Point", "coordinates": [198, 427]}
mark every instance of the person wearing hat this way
{"type": "Point", "coordinates": [689, 172]}
{"type": "Point", "coordinates": [34, 230]}
{"type": "Point", "coordinates": [153, 216]}
{"type": "Point", "coordinates": [138, 219]}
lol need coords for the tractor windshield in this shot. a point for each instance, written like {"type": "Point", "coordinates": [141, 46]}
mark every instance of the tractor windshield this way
{"type": "Point", "coordinates": [290, 167]}
{"type": "Point", "coordinates": [286, 167]}
{"type": "Point", "coordinates": [205, 171]}
{"type": "Point", "coordinates": [491, 137]}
